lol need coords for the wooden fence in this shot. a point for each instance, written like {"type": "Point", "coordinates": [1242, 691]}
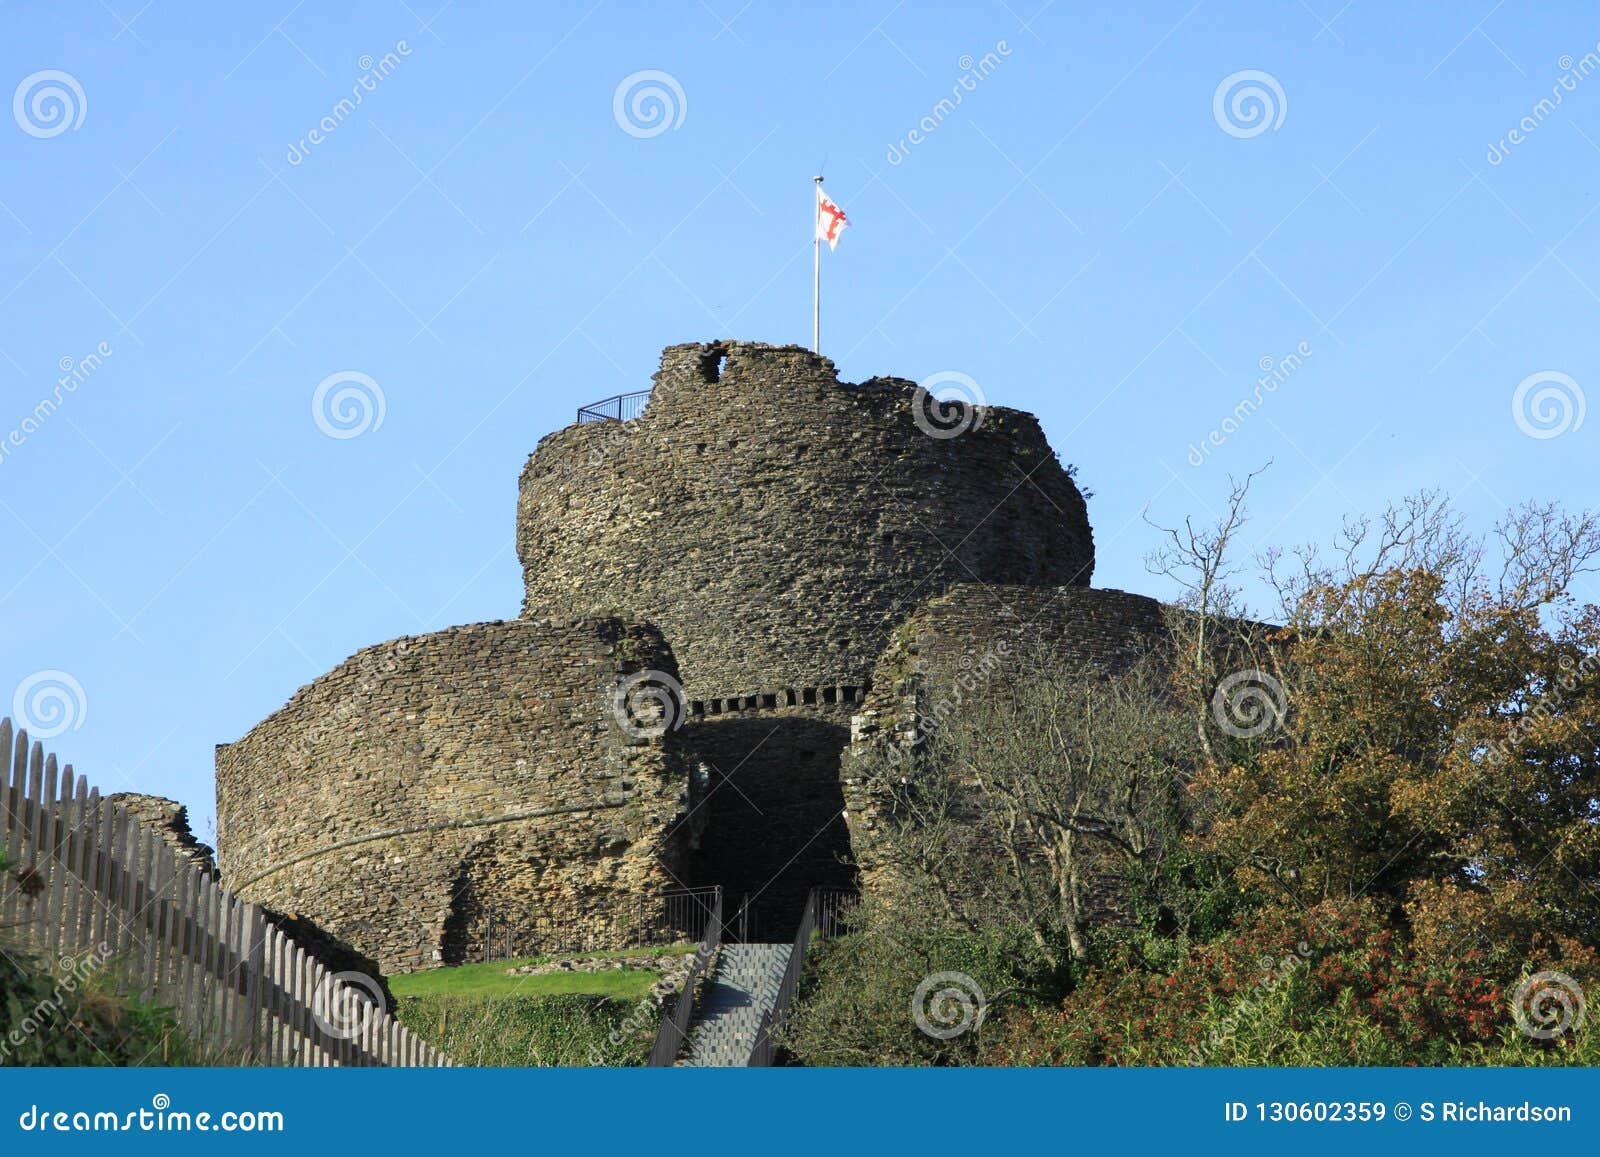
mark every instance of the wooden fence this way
{"type": "Point", "coordinates": [88, 884]}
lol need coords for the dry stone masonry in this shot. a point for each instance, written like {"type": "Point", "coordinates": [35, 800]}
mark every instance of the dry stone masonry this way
{"type": "Point", "coordinates": [430, 783]}
{"type": "Point", "coordinates": [171, 819]}
{"type": "Point", "coordinates": [787, 548]}
{"type": "Point", "coordinates": [776, 522]}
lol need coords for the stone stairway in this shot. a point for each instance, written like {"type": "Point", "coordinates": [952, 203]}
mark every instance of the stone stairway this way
{"type": "Point", "coordinates": [741, 991]}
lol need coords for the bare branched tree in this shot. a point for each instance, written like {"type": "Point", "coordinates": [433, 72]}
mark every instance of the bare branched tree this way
{"type": "Point", "coordinates": [1212, 630]}
{"type": "Point", "coordinates": [1040, 793]}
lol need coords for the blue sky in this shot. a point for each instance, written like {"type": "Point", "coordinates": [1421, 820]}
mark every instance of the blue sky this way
{"type": "Point", "coordinates": [1085, 236]}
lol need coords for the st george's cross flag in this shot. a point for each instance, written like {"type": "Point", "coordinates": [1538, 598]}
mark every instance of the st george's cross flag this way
{"type": "Point", "coordinates": [831, 220]}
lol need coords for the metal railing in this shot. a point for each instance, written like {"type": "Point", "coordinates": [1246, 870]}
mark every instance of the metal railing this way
{"type": "Point", "coordinates": [745, 926]}
{"type": "Point", "coordinates": [833, 906]}
{"type": "Point", "coordinates": [674, 1028]}
{"type": "Point", "coordinates": [823, 914]}
{"type": "Point", "coordinates": [617, 408]}
{"type": "Point", "coordinates": [687, 912]}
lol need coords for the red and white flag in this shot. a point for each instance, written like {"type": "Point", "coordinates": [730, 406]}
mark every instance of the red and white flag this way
{"type": "Point", "coordinates": [831, 220]}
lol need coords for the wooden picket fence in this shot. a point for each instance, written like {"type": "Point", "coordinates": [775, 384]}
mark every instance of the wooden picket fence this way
{"type": "Point", "coordinates": [87, 881]}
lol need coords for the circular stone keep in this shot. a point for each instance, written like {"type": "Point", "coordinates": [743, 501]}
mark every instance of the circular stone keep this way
{"type": "Point", "coordinates": [777, 523]}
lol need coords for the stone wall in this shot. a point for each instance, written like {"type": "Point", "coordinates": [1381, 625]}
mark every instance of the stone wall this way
{"type": "Point", "coordinates": [1070, 627]}
{"type": "Point", "coordinates": [429, 782]}
{"type": "Point", "coordinates": [776, 522]}
{"type": "Point", "coordinates": [171, 820]}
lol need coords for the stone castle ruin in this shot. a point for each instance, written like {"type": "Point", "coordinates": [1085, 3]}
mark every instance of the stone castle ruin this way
{"type": "Point", "coordinates": [715, 589]}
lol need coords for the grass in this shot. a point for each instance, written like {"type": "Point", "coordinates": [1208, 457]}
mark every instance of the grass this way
{"type": "Point", "coordinates": [533, 1030]}
{"type": "Point", "coordinates": [490, 980]}
{"type": "Point", "coordinates": [480, 1016]}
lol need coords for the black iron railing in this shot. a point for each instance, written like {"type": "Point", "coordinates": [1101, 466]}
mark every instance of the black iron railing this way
{"type": "Point", "coordinates": [823, 914]}
{"type": "Point", "coordinates": [686, 913]}
{"type": "Point", "coordinates": [617, 408]}
{"type": "Point", "coordinates": [833, 910]}
{"type": "Point", "coordinates": [745, 926]}
{"type": "Point", "coordinates": [674, 1028]}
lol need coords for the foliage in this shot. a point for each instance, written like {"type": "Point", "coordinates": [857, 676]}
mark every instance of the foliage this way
{"type": "Point", "coordinates": [1441, 747]}
{"type": "Point", "coordinates": [857, 1004]}
{"type": "Point", "coordinates": [76, 1018]}
{"type": "Point", "coordinates": [1368, 865]}
{"type": "Point", "coordinates": [1330, 986]}
{"type": "Point", "coordinates": [533, 1030]}
{"type": "Point", "coordinates": [1337, 985]}
{"type": "Point", "coordinates": [1041, 785]}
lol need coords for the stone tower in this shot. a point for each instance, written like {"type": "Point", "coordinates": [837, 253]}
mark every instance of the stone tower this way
{"type": "Point", "coordinates": [776, 524]}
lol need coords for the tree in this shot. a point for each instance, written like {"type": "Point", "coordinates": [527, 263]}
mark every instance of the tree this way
{"type": "Point", "coordinates": [1440, 746]}
{"type": "Point", "coordinates": [1030, 805]}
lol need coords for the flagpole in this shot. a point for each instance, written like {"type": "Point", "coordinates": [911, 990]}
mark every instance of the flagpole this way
{"type": "Point", "coordinates": [816, 272]}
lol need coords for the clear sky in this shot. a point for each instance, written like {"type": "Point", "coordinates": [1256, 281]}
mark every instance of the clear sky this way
{"type": "Point", "coordinates": [1089, 234]}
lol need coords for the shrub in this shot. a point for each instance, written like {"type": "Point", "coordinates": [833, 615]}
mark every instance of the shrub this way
{"type": "Point", "coordinates": [856, 1007]}
{"type": "Point", "coordinates": [71, 1018]}
{"type": "Point", "coordinates": [1333, 986]}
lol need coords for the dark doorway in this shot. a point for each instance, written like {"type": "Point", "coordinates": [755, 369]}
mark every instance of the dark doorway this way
{"type": "Point", "coordinates": [774, 814]}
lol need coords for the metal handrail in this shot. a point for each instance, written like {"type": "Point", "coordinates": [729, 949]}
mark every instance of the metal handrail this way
{"type": "Point", "coordinates": [674, 1028]}
{"type": "Point", "coordinates": [772, 1020]}
{"type": "Point", "coordinates": [617, 408]}
{"type": "Point", "coordinates": [743, 927]}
